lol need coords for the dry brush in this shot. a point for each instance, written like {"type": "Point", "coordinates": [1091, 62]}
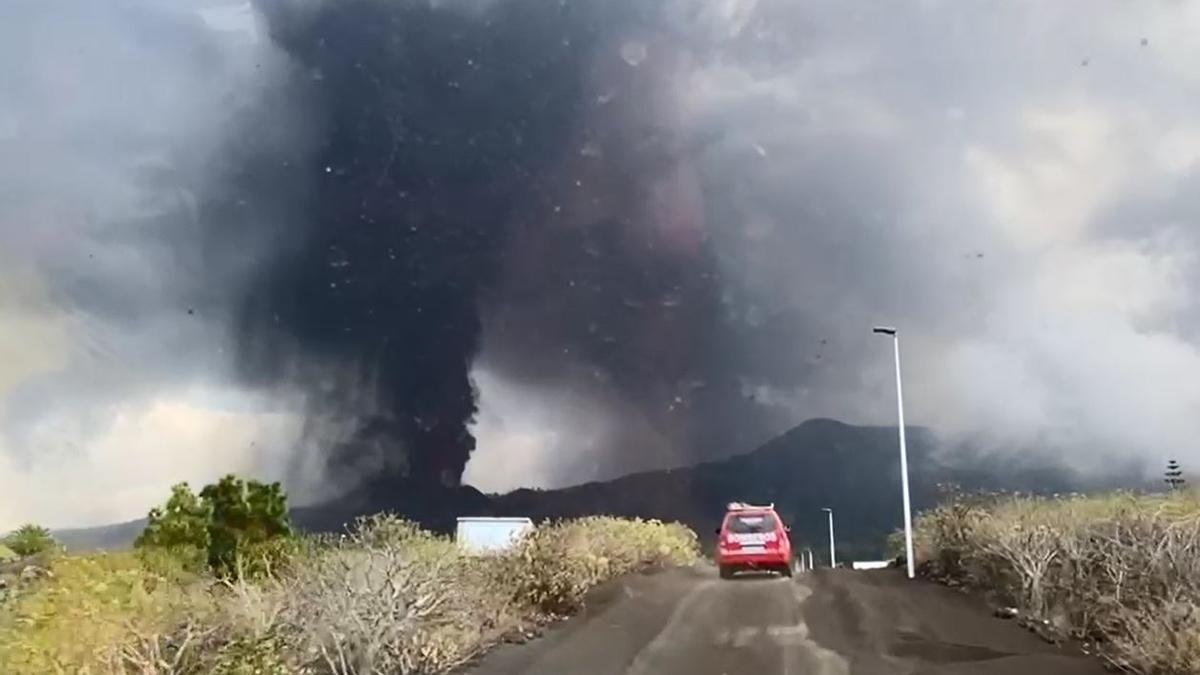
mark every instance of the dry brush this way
{"type": "Point", "coordinates": [385, 598]}
{"type": "Point", "coordinates": [1121, 571]}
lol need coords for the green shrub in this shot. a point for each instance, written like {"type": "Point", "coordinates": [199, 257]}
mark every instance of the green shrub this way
{"type": "Point", "coordinates": [182, 524]}
{"type": "Point", "coordinates": [99, 613]}
{"type": "Point", "coordinates": [234, 526]}
{"type": "Point", "coordinates": [387, 597]}
{"type": "Point", "coordinates": [245, 515]}
{"type": "Point", "coordinates": [29, 540]}
{"type": "Point", "coordinates": [173, 562]}
{"type": "Point", "coordinates": [557, 564]}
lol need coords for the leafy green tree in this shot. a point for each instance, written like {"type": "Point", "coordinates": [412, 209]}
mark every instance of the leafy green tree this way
{"type": "Point", "coordinates": [30, 539]}
{"type": "Point", "coordinates": [181, 526]}
{"type": "Point", "coordinates": [230, 522]}
{"type": "Point", "coordinates": [245, 516]}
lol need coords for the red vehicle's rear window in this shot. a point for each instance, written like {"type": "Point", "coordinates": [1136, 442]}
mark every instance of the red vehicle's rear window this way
{"type": "Point", "coordinates": [750, 523]}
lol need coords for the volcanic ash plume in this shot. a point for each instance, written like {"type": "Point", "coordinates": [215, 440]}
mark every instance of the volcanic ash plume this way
{"type": "Point", "coordinates": [473, 160]}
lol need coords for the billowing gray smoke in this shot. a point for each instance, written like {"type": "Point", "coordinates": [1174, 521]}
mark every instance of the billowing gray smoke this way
{"type": "Point", "coordinates": [690, 211]}
{"type": "Point", "coordinates": [471, 164]}
{"type": "Point", "coordinates": [617, 234]}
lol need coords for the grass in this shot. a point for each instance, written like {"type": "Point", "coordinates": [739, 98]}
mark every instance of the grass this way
{"type": "Point", "coordinates": [95, 613]}
{"type": "Point", "coordinates": [1119, 570]}
{"type": "Point", "coordinates": [385, 598]}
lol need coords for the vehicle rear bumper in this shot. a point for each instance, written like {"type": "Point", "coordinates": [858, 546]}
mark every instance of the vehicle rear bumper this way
{"type": "Point", "coordinates": [770, 559]}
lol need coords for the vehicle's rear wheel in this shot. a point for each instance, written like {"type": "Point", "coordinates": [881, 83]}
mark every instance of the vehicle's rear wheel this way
{"type": "Point", "coordinates": [726, 571]}
{"type": "Point", "coordinates": [785, 569]}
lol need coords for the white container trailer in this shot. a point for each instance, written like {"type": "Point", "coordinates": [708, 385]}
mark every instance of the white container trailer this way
{"type": "Point", "coordinates": [477, 534]}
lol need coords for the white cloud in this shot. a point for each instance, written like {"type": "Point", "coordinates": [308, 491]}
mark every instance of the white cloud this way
{"type": "Point", "coordinates": [1121, 279]}
{"type": "Point", "coordinates": [529, 437]}
{"type": "Point", "coordinates": [1178, 150]}
{"type": "Point", "coordinates": [115, 360]}
{"type": "Point", "coordinates": [73, 476]}
{"type": "Point", "coordinates": [1046, 188]}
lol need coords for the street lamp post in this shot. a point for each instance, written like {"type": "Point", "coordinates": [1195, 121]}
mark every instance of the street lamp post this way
{"type": "Point", "coordinates": [908, 540]}
{"type": "Point", "coordinates": [832, 555]}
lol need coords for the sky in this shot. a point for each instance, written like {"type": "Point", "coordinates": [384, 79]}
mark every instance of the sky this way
{"type": "Point", "coordinates": [1011, 184]}
{"type": "Point", "coordinates": [1014, 185]}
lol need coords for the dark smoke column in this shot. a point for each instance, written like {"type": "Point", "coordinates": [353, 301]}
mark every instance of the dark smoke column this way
{"type": "Point", "coordinates": [431, 125]}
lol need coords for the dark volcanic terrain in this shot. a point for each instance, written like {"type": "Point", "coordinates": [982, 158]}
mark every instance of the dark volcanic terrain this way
{"type": "Point", "coordinates": [855, 470]}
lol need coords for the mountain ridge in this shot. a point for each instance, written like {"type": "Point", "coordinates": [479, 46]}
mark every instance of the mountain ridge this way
{"type": "Point", "coordinates": [855, 470]}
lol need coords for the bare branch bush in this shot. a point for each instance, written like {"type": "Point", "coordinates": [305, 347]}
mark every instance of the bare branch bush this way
{"type": "Point", "coordinates": [944, 536]}
{"type": "Point", "coordinates": [150, 652]}
{"type": "Point", "coordinates": [393, 599]}
{"type": "Point", "coordinates": [556, 565]}
{"type": "Point", "coordinates": [1121, 570]}
{"type": "Point", "coordinates": [1153, 618]}
{"type": "Point", "coordinates": [1022, 536]}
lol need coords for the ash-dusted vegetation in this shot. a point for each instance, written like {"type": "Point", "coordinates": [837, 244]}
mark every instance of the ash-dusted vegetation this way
{"type": "Point", "coordinates": [241, 593]}
{"type": "Point", "coordinates": [1120, 572]}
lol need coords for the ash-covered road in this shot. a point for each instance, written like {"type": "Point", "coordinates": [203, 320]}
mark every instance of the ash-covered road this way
{"type": "Point", "coordinates": [687, 622]}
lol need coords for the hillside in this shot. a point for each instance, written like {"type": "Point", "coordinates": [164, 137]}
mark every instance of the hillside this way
{"type": "Point", "coordinates": [855, 470]}
{"type": "Point", "coordinates": [103, 537]}
{"type": "Point", "coordinates": [821, 463]}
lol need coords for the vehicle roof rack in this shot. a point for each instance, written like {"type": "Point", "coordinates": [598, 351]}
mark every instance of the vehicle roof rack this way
{"type": "Point", "coordinates": [742, 506]}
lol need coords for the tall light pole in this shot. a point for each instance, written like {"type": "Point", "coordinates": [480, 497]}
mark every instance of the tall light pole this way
{"type": "Point", "coordinates": [908, 540]}
{"type": "Point", "coordinates": [832, 555]}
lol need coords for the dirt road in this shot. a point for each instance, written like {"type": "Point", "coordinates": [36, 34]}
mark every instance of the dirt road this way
{"type": "Point", "coordinates": [831, 623]}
